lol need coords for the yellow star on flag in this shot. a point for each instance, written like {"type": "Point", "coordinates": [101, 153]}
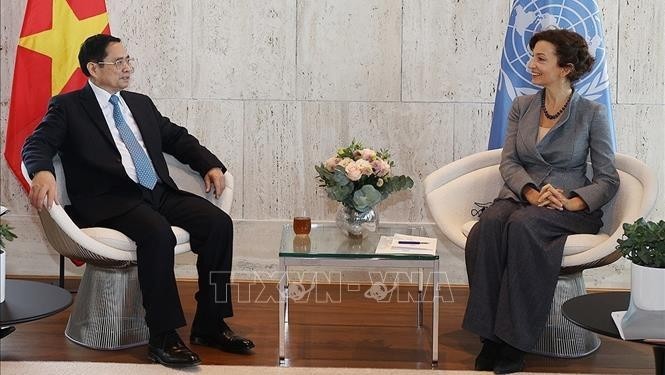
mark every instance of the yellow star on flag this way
{"type": "Point", "coordinates": [62, 42]}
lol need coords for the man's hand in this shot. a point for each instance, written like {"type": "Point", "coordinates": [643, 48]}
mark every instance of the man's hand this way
{"type": "Point", "coordinates": [215, 178]}
{"type": "Point", "coordinates": [43, 188]}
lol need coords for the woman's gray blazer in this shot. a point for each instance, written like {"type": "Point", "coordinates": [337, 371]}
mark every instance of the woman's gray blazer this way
{"type": "Point", "coordinates": [560, 157]}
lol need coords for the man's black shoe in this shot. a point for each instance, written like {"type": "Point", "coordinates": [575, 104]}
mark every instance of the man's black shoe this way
{"type": "Point", "coordinates": [223, 339]}
{"type": "Point", "coordinates": [169, 350]}
{"type": "Point", "coordinates": [510, 360]}
{"type": "Point", "coordinates": [487, 356]}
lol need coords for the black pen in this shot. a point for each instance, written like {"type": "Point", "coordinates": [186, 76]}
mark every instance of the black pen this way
{"type": "Point", "coordinates": [412, 243]}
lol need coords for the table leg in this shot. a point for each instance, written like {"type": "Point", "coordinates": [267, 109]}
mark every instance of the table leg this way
{"type": "Point", "coordinates": [435, 313]}
{"type": "Point", "coordinates": [286, 301]}
{"type": "Point", "coordinates": [282, 306]}
{"type": "Point", "coordinates": [659, 357]}
{"type": "Point", "coordinates": [5, 331]}
{"type": "Point", "coordinates": [61, 278]}
{"type": "Point", "coordinates": [419, 322]}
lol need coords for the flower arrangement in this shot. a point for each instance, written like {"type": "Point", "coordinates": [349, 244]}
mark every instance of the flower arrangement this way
{"type": "Point", "coordinates": [360, 177]}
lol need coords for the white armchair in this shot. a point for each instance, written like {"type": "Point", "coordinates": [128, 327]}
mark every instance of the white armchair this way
{"type": "Point", "coordinates": [456, 193]}
{"type": "Point", "coordinates": [108, 312]}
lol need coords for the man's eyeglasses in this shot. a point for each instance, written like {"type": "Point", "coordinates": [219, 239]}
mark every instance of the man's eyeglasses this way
{"type": "Point", "coordinates": [120, 63]}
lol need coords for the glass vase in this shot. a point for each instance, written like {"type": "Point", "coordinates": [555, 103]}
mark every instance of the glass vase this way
{"type": "Point", "coordinates": [356, 224]}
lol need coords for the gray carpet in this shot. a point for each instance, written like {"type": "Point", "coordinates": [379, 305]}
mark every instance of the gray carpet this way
{"type": "Point", "coordinates": [104, 368]}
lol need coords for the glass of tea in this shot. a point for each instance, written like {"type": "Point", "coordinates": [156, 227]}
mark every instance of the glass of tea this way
{"type": "Point", "coordinates": [302, 243]}
{"type": "Point", "coordinates": [302, 223]}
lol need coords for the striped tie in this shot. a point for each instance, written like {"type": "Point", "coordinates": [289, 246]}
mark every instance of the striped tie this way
{"type": "Point", "coordinates": [144, 169]}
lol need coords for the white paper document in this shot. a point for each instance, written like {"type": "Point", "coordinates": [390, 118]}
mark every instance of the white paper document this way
{"type": "Point", "coordinates": [617, 316]}
{"type": "Point", "coordinates": [405, 244]}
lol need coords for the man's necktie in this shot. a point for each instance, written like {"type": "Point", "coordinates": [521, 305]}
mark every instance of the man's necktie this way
{"type": "Point", "coordinates": [144, 169]}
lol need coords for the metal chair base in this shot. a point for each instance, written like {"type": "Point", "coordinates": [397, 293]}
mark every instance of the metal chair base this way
{"type": "Point", "coordinates": [561, 338]}
{"type": "Point", "coordinates": [108, 313]}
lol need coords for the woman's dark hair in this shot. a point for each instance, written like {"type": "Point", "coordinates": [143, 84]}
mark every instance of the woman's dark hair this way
{"type": "Point", "coordinates": [570, 47]}
{"type": "Point", "coordinates": [94, 49]}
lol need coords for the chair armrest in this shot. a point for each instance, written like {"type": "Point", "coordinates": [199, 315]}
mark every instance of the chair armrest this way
{"type": "Point", "coordinates": [70, 229]}
{"type": "Point", "coordinates": [190, 181]}
{"type": "Point", "coordinates": [452, 203]}
{"type": "Point", "coordinates": [68, 239]}
{"type": "Point", "coordinates": [635, 198]}
{"type": "Point", "coordinates": [645, 176]}
{"type": "Point", "coordinates": [227, 195]}
{"type": "Point", "coordinates": [461, 167]}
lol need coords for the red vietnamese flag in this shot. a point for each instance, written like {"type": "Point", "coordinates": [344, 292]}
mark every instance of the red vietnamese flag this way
{"type": "Point", "coordinates": [47, 64]}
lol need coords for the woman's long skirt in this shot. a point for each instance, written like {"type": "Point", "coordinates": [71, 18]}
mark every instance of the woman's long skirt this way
{"type": "Point", "coordinates": [513, 258]}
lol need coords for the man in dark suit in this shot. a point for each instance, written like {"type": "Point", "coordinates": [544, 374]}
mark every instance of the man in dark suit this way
{"type": "Point", "coordinates": [111, 142]}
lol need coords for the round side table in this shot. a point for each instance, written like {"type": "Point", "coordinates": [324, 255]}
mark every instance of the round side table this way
{"type": "Point", "coordinates": [26, 301]}
{"type": "Point", "coordinates": [592, 312]}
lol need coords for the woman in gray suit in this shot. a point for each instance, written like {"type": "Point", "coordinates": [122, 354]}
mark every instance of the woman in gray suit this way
{"type": "Point", "coordinates": [513, 254]}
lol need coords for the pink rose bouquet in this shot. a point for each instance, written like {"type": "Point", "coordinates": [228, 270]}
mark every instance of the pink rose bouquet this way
{"type": "Point", "coordinates": [360, 177]}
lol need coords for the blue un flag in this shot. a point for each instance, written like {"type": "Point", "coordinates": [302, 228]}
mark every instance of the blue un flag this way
{"type": "Point", "coordinates": [528, 17]}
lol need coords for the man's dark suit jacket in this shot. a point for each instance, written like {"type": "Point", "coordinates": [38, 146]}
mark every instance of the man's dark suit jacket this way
{"type": "Point", "coordinates": [97, 184]}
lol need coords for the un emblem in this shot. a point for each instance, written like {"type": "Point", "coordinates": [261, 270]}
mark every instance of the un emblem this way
{"type": "Point", "coordinates": [529, 17]}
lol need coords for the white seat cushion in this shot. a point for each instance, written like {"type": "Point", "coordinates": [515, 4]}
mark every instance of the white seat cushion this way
{"type": "Point", "coordinates": [579, 243]}
{"type": "Point", "coordinates": [575, 244]}
{"type": "Point", "coordinates": [119, 241]}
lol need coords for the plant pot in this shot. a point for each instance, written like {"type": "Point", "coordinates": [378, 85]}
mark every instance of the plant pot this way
{"type": "Point", "coordinates": [646, 289]}
{"type": "Point", "coordinates": [356, 224]}
{"type": "Point", "coordinates": [2, 275]}
{"type": "Point", "coordinates": [645, 317]}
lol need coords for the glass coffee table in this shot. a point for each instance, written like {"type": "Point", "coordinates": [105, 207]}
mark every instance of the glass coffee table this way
{"type": "Point", "coordinates": [327, 246]}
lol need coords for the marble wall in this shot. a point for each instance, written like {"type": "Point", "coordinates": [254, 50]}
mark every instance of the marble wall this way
{"type": "Point", "coordinates": [273, 87]}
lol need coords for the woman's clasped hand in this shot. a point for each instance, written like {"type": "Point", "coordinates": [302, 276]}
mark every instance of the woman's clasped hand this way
{"type": "Point", "coordinates": [554, 198]}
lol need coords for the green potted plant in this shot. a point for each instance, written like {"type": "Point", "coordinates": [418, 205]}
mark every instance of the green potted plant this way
{"type": "Point", "coordinates": [643, 243]}
{"type": "Point", "coordinates": [6, 234]}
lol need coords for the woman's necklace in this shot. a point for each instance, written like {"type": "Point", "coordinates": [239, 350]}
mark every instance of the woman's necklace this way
{"type": "Point", "coordinates": [554, 116]}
